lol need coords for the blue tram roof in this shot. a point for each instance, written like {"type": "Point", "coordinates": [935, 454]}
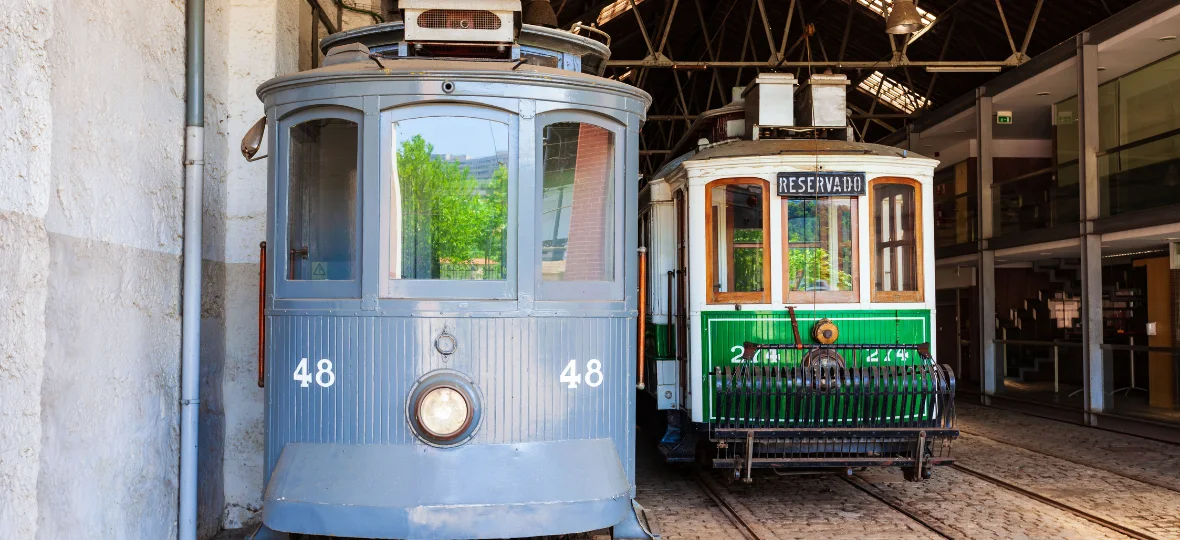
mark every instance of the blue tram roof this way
{"type": "Point", "coordinates": [539, 45]}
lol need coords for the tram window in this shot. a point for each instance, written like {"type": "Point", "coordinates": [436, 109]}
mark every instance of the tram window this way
{"type": "Point", "coordinates": [738, 235]}
{"type": "Point", "coordinates": [577, 191]}
{"type": "Point", "coordinates": [322, 207]}
{"type": "Point", "coordinates": [449, 209]}
{"type": "Point", "coordinates": [897, 264]}
{"type": "Point", "coordinates": [821, 248]}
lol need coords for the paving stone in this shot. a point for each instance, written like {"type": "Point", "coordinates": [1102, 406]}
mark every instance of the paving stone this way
{"type": "Point", "coordinates": [1148, 508]}
{"type": "Point", "coordinates": [1149, 461]}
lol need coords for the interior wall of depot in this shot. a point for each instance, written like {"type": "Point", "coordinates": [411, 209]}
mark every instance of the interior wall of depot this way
{"type": "Point", "coordinates": [91, 231]}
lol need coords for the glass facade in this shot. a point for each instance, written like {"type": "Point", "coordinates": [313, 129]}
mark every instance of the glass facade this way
{"type": "Point", "coordinates": [955, 217]}
{"type": "Point", "coordinates": [1139, 139]}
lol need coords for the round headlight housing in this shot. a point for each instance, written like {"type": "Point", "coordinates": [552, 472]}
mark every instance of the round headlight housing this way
{"type": "Point", "coordinates": [443, 412]}
{"type": "Point", "coordinates": [443, 408]}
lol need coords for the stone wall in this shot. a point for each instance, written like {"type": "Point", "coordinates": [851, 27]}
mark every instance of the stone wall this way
{"type": "Point", "coordinates": [91, 217]}
{"type": "Point", "coordinates": [90, 228]}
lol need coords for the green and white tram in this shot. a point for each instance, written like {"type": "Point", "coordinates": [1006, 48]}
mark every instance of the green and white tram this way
{"type": "Point", "coordinates": [789, 307]}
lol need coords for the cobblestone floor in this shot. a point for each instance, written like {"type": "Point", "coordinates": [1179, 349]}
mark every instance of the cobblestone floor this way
{"type": "Point", "coordinates": [1143, 459]}
{"type": "Point", "coordinates": [955, 503]}
{"type": "Point", "coordinates": [1128, 480]}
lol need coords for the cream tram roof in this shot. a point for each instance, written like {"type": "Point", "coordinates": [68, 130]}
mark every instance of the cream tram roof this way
{"type": "Point", "coordinates": [794, 150]}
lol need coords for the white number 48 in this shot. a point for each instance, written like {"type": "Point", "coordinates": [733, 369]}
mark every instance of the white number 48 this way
{"type": "Point", "coordinates": [324, 375]}
{"type": "Point", "coordinates": [571, 376]}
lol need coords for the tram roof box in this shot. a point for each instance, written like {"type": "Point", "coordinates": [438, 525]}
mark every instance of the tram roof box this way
{"type": "Point", "coordinates": [769, 101]}
{"type": "Point", "coordinates": [461, 21]}
{"type": "Point", "coordinates": [823, 101]}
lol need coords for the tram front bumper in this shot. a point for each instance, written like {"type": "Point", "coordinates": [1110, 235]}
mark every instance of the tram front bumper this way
{"type": "Point", "coordinates": [472, 491]}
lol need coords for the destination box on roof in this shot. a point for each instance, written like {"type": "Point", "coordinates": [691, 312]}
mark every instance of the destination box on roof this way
{"type": "Point", "coordinates": [821, 184]}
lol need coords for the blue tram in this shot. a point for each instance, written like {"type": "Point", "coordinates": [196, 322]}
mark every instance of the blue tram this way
{"type": "Point", "coordinates": [450, 260]}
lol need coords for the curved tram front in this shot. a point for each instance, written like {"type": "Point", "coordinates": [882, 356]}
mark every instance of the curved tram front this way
{"type": "Point", "coordinates": [791, 320]}
{"type": "Point", "coordinates": [449, 342]}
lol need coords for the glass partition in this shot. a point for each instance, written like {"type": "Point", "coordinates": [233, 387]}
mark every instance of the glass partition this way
{"type": "Point", "coordinates": [449, 199]}
{"type": "Point", "coordinates": [321, 208]}
{"type": "Point", "coordinates": [1139, 154]}
{"type": "Point", "coordinates": [955, 205]}
{"type": "Point", "coordinates": [1037, 200]}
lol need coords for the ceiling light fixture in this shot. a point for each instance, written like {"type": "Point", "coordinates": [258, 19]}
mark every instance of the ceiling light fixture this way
{"type": "Point", "coordinates": [903, 18]}
{"type": "Point", "coordinates": [963, 69]}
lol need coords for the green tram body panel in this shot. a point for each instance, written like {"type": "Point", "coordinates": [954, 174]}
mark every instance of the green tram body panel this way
{"type": "Point", "coordinates": [724, 332]}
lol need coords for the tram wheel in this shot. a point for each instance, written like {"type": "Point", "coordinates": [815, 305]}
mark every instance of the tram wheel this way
{"type": "Point", "coordinates": [823, 358]}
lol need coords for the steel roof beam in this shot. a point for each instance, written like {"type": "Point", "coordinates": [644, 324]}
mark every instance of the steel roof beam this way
{"type": "Point", "coordinates": [877, 64]}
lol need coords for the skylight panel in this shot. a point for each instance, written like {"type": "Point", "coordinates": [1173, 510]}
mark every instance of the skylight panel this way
{"type": "Point", "coordinates": [882, 7]}
{"type": "Point", "coordinates": [892, 93]}
{"type": "Point", "coordinates": [618, 7]}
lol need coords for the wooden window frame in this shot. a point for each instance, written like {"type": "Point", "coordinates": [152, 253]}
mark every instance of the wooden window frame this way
{"type": "Point", "coordinates": [919, 247]}
{"type": "Point", "coordinates": [715, 296]}
{"type": "Point", "coordinates": [835, 297]}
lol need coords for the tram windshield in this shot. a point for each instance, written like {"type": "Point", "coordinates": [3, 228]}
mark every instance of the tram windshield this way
{"type": "Point", "coordinates": [821, 255]}
{"type": "Point", "coordinates": [738, 234]}
{"type": "Point", "coordinates": [577, 226]}
{"type": "Point", "coordinates": [321, 210]}
{"type": "Point", "coordinates": [896, 246]}
{"type": "Point", "coordinates": [450, 199]}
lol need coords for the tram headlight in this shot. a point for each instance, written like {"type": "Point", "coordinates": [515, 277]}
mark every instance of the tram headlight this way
{"type": "Point", "coordinates": [444, 408]}
{"type": "Point", "coordinates": [443, 412]}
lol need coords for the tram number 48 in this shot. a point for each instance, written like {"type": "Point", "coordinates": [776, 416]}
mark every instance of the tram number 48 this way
{"type": "Point", "coordinates": [324, 376]}
{"type": "Point", "coordinates": [571, 376]}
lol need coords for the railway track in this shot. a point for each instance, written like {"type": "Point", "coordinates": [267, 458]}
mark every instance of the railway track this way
{"type": "Point", "coordinates": [898, 506]}
{"type": "Point", "coordinates": [1098, 520]}
{"type": "Point", "coordinates": [710, 488]}
{"type": "Point", "coordinates": [754, 532]}
{"type": "Point", "coordinates": [1129, 476]}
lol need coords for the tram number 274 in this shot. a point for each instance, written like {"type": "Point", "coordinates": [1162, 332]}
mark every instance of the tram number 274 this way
{"type": "Point", "coordinates": [571, 376]}
{"type": "Point", "coordinates": [324, 376]}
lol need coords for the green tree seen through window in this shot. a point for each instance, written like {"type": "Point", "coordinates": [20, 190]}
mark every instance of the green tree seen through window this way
{"type": "Point", "coordinates": [452, 228]}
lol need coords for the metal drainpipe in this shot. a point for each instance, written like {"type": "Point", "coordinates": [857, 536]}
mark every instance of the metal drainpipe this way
{"type": "Point", "coordinates": [194, 172]}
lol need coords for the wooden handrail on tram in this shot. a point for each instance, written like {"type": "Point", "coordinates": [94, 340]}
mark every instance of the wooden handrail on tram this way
{"type": "Point", "coordinates": [642, 312]}
{"type": "Point", "coordinates": [261, 314]}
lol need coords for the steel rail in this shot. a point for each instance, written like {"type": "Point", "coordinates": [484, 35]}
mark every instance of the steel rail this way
{"type": "Point", "coordinates": [1098, 520]}
{"type": "Point", "coordinates": [899, 507]}
{"type": "Point", "coordinates": [744, 528]}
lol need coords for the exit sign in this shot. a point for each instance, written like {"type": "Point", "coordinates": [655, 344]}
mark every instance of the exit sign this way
{"type": "Point", "coordinates": [1004, 117]}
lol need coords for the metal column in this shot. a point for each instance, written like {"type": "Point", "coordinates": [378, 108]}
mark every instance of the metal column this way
{"type": "Point", "coordinates": [992, 376]}
{"type": "Point", "coordinates": [1095, 370]}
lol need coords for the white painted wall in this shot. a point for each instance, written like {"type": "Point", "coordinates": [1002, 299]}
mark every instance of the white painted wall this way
{"type": "Point", "coordinates": [90, 236]}
{"type": "Point", "coordinates": [25, 156]}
